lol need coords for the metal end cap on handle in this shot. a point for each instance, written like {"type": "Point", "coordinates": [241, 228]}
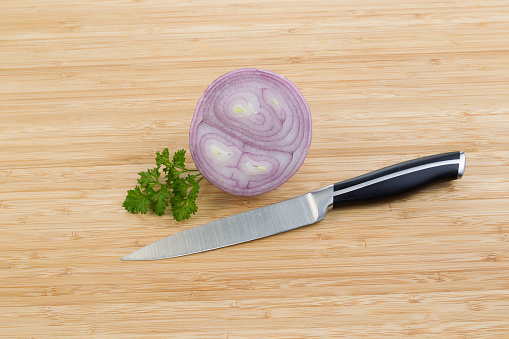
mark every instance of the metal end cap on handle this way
{"type": "Point", "coordinates": [462, 164]}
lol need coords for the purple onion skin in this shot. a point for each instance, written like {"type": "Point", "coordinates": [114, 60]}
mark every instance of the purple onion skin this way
{"type": "Point", "coordinates": [250, 132]}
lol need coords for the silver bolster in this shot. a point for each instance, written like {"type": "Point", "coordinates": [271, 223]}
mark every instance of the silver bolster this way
{"type": "Point", "coordinates": [320, 201]}
{"type": "Point", "coordinates": [462, 164]}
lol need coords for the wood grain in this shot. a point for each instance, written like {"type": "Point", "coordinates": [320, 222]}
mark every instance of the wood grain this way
{"type": "Point", "coordinates": [90, 90]}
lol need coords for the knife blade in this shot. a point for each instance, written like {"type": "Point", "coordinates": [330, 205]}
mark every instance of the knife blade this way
{"type": "Point", "coordinates": [306, 209]}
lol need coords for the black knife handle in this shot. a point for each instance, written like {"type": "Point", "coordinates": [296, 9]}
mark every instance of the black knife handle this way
{"type": "Point", "coordinates": [400, 178]}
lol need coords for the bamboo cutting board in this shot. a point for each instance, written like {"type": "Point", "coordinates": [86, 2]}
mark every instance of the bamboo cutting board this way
{"type": "Point", "coordinates": [90, 90]}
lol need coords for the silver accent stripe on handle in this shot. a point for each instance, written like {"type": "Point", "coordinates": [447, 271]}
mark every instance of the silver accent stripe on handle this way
{"type": "Point", "coordinates": [460, 162]}
{"type": "Point", "coordinates": [461, 168]}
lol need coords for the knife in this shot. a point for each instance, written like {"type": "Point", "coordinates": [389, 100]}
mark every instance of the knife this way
{"type": "Point", "coordinates": [306, 209]}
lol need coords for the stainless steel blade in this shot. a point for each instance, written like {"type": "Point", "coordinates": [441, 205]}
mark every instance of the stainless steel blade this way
{"type": "Point", "coordinates": [258, 223]}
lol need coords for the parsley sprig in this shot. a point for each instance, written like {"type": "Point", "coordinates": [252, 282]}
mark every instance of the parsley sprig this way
{"type": "Point", "coordinates": [179, 189]}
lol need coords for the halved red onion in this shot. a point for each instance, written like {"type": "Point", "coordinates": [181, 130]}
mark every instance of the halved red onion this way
{"type": "Point", "coordinates": [250, 132]}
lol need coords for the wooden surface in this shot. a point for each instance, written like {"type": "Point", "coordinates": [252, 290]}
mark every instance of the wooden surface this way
{"type": "Point", "coordinates": [90, 90]}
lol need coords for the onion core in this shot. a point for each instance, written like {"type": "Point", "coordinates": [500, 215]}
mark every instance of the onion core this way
{"type": "Point", "coordinates": [250, 132]}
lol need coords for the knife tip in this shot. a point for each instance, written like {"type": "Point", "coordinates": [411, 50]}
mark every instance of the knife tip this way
{"type": "Point", "coordinates": [136, 256]}
{"type": "Point", "coordinates": [130, 257]}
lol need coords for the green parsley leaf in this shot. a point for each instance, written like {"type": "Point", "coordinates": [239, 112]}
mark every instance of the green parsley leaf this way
{"type": "Point", "coordinates": [149, 178]}
{"type": "Point", "coordinates": [136, 201]}
{"type": "Point", "coordinates": [183, 207]}
{"type": "Point", "coordinates": [179, 189]}
{"type": "Point", "coordinates": [163, 158]}
{"type": "Point", "coordinates": [178, 159]}
{"type": "Point", "coordinates": [160, 201]}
